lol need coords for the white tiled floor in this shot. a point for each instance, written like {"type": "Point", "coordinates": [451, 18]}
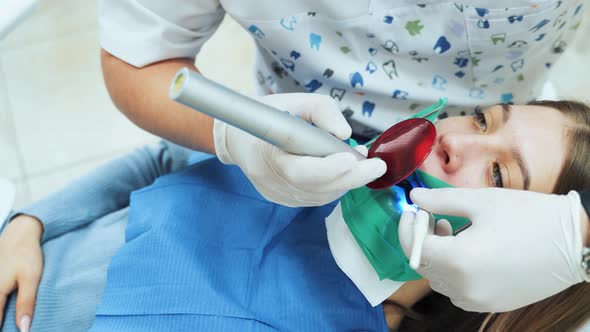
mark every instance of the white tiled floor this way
{"type": "Point", "coordinates": [57, 121]}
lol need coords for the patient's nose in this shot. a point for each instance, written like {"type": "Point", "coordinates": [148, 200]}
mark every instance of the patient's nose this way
{"type": "Point", "coordinates": [458, 149]}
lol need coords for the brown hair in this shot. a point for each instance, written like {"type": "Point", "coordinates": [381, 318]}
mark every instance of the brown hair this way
{"type": "Point", "coordinates": [565, 311]}
{"type": "Point", "coordinates": [569, 309]}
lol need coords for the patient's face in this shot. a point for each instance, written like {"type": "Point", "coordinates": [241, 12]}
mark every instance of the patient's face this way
{"type": "Point", "coordinates": [518, 147]}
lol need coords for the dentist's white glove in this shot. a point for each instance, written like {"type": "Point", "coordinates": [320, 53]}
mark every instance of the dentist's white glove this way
{"type": "Point", "coordinates": [294, 180]}
{"type": "Point", "coordinates": [522, 247]}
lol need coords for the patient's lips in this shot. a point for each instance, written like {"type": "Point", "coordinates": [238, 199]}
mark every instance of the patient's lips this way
{"type": "Point", "coordinates": [403, 147]}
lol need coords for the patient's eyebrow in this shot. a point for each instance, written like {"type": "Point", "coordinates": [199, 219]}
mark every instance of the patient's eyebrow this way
{"type": "Point", "coordinates": [524, 170]}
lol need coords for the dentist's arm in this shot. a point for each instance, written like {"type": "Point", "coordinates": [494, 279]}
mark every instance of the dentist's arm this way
{"type": "Point", "coordinates": [142, 95]}
{"type": "Point", "coordinates": [522, 247]}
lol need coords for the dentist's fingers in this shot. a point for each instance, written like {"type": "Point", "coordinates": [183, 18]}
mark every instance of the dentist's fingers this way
{"type": "Point", "coordinates": [421, 225]}
{"type": "Point", "coordinates": [406, 231]}
{"type": "Point", "coordinates": [434, 249]}
{"type": "Point", "coordinates": [450, 201]}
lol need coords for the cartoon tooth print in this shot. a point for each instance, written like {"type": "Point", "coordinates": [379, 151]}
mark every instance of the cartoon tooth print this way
{"type": "Point", "coordinates": [372, 51]}
{"type": "Point", "coordinates": [442, 45]}
{"type": "Point", "coordinates": [356, 79]}
{"type": "Point", "coordinates": [498, 38]}
{"type": "Point", "coordinates": [517, 43]}
{"type": "Point", "coordinates": [461, 62]}
{"type": "Point", "coordinates": [314, 41]}
{"type": "Point", "coordinates": [295, 55]}
{"type": "Point", "coordinates": [371, 67]}
{"type": "Point", "coordinates": [348, 112]}
{"type": "Point", "coordinates": [483, 24]}
{"type": "Point", "coordinates": [390, 69]}
{"type": "Point", "coordinates": [416, 56]}
{"type": "Point", "coordinates": [517, 65]}
{"type": "Point", "coordinates": [399, 94]}
{"type": "Point", "coordinates": [477, 93]}
{"type": "Point", "coordinates": [507, 98]}
{"type": "Point", "coordinates": [368, 108]}
{"type": "Point", "coordinates": [481, 12]}
{"type": "Point", "coordinates": [539, 25]}
{"type": "Point", "coordinates": [337, 93]}
{"type": "Point", "coordinates": [439, 82]}
{"type": "Point", "coordinates": [288, 22]}
{"type": "Point", "coordinates": [288, 64]}
{"type": "Point", "coordinates": [540, 37]}
{"type": "Point", "coordinates": [388, 19]}
{"type": "Point", "coordinates": [313, 85]}
{"type": "Point", "coordinates": [559, 46]}
{"type": "Point", "coordinates": [391, 46]}
{"type": "Point", "coordinates": [256, 31]}
{"type": "Point", "coordinates": [414, 27]}
{"type": "Point", "coordinates": [278, 70]}
{"type": "Point", "coordinates": [498, 67]}
{"type": "Point", "coordinates": [328, 73]}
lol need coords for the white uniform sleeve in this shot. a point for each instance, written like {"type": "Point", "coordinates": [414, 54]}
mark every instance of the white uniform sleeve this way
{"type": "Point", "coordinates": [141, 32]}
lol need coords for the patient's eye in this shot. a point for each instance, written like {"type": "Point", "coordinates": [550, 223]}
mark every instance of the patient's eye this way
{"type": "Point", "coordinates": [497, 179]}
{"type": "Point", "coordinates": [480, 118]}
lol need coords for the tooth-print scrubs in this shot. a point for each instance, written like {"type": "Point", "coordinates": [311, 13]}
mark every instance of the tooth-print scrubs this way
{"type": "Point", "coordinates": [381, 60]}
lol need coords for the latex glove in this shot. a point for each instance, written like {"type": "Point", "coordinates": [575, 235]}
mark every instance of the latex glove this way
{"type": "Point", "coordinates": [21, 259]}
{"type": "Point", "coordinates": [521, 248]}
{"type": "Point", "coordinates": [294, 180]}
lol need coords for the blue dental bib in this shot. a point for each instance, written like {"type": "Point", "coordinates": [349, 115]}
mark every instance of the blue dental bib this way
{"type": "Point", "coordinates": [205, 252]}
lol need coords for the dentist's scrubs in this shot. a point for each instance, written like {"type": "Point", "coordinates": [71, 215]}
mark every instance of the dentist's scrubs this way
{"type": "Point", "coordinates": [84, 225]}
{"type": "Point", "coordinates": [380, 59]}
{"type": "Point", "coordinates": [205, 251]}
